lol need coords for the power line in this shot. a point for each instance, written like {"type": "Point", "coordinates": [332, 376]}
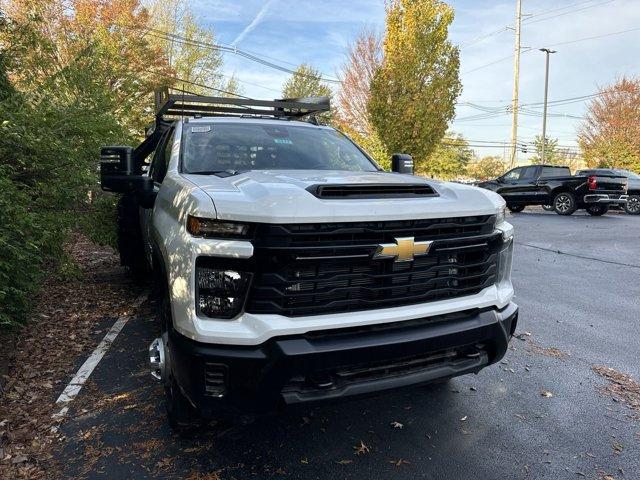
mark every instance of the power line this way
{"type": "Point", "coordinates": [181, 39]}
{"type": "Point", "coordinates": [196, 84]}
{"type": "Point", "coordinates": [480, 38]}
{"type": "Point", "coordinates": [565, 13]}
{"type": "Point", "coordinates": [594, 37]}
{"type": "Point", "coordinates": [508, 57]}
{"type": "Point", "coordinates": [483, 37]}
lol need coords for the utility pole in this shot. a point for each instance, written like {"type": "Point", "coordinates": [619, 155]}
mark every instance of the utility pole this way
{"type": "Point", "coordinates": [516, 82]}
{"type": "Point", "coordinates": [546, 90]}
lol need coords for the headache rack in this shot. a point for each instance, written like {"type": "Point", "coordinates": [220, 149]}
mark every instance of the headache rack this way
{"type": "Point", "coordinates": [173, 105]}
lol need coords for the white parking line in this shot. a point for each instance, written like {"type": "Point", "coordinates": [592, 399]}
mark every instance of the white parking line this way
{"type": "Point", "coordinates": [80, 378]}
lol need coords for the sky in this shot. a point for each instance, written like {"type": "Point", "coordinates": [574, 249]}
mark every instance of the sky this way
{"type": "Point", "coordinates": [319, 32]}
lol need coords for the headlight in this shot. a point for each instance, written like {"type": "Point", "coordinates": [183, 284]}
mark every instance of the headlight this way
{"type": "Point", "coordinates": [504, 262]}
{"type": "Point", "coordinates": [220, 293]}
{"type": "Point", "coordinates": [205, 227]}
{"type": "Point", "coordinates": [500, 216]}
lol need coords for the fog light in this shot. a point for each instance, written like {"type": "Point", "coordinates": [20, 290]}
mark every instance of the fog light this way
{"type": "Point", "coordinates": [221, 292]}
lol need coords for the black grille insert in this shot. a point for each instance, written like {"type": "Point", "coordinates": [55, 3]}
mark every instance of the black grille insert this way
{"type": "Point", "coordinates": [309, 269]}
{"type": "Point", "coordinates": [372, 191]}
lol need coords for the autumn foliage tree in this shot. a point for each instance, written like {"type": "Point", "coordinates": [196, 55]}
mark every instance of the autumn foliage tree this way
{"type": "Point", "coordinates": [74, 75]}
{"type": "Point", "coordinates": [486, 168]}
{"type": "Point", "coordinates": [363, 60]}
{"type": "Point", "coordinates": [413, 93]}
{"type": "Point", "coordinates": [610, 133]}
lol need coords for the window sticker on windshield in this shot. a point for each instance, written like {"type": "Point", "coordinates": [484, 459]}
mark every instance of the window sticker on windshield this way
{"type": "Point", "coordinates": [201, 129]}
{"type": "Point", "coordinates": [284, 141]}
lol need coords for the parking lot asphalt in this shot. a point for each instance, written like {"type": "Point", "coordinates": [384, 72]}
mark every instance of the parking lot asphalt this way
{"type": "Point", "coordinates": [541, 413]}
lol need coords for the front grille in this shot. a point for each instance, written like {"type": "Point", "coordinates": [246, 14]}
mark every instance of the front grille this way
{"type": "Point", "coordinates": [310, 269]}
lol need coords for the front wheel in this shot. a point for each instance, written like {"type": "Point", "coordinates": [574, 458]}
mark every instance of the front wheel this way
{"type": "Point", "coordinates": [632, 207]}
{"type": "Point", "coordinates": [597, 210]}
{"type": "Point", "coordinates": [516, 208]}
{"type": "Point", "coordinates": [564, 203]}
{"type": "Point", "coordinates": [181, 414]}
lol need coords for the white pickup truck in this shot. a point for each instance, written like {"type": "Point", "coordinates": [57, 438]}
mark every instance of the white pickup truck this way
{"type": "Point", "coordinates": [291, 268]}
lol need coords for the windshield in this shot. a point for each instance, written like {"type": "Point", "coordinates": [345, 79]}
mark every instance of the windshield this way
{"type": "Point", "coordinates": [217, 147]}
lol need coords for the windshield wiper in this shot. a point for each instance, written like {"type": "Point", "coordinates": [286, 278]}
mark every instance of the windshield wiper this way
{"type": "Point", "coordinates": [219, 173]}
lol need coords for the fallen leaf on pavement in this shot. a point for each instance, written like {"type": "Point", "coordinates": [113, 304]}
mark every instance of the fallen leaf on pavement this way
{"type": "Point", "coordinates": [344, 462]}
{"type": "Point", "coordinates": [361, 448]}
{"type": "Point", "coordinates": [617, 447]}
{"type": "Point", "coordinates": [399, 462]}
{"type": "Point", "coordinates": [463, 419]}
{"type": "Point", "coordinates": [546, 393]}
{"type": "Point", "coordinates": [397, 425]}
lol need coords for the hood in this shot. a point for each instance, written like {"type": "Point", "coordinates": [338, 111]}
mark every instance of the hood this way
{"type": "Point", "coordinates": [281, 196]}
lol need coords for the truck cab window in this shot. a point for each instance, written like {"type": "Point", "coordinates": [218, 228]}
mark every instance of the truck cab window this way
{"type": "Point", "coordinates": [547, 172]}
{"type": "Point", "coordinates": [528, 173]}
{"type": "Point", "coordinates": [513, 175]}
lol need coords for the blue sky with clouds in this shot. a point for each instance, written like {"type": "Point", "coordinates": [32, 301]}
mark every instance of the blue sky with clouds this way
{"type": "Point", "coordinates": [318, 32]}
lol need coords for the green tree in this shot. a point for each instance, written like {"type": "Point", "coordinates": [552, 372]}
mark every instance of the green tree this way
{"type": "Point", "coordinates": [73, 76]}
{"type": "Point", "coordinates": [413, 93]}
{"type": "Point", "coordinates": [552, 154]}
{"type": "Point", "coordinates": [305, 82]}
{"type": "Point", "coordinates": [486, 168]}
{"type": "Point", "coordinates": [175, 30]}
{"type": "Point", "coordinates": [370, 142]}
{"type": "Point", "coordinates": [448, 160]}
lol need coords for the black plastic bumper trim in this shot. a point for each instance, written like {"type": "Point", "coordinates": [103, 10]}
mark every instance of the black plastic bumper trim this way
{"type": "Point", "coordinates": [258, 377]}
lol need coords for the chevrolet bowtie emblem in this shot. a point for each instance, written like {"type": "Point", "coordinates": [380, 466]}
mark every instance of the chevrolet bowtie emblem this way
{"type": "Point", "coordinates": [403, 250]}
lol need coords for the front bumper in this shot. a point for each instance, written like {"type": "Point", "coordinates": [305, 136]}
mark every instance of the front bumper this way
{"type": "Point", "coordinates": [606, 199]}
{"type": "Point", "coordinates": [337, 363]}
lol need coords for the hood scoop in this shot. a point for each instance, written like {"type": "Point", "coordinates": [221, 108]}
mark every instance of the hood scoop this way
{"type": "Point", "coordinates": [374, 190]}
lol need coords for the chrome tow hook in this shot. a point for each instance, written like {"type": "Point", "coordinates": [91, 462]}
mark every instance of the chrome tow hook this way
{"type": "Point", "coordinates": [157, 361]}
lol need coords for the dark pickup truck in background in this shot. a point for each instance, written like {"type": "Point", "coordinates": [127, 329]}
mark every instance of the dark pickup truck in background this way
{"type": "Point", "coordinates": [555, 186]}
{"type": "Point", "coordinates": [632, 207]}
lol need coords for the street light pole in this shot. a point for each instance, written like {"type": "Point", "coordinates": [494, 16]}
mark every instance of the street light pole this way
{"type": "Point", "coordinates": [546, 90]}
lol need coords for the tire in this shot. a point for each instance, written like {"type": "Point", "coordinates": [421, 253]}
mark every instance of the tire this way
{"type": "Point", "coordinates": [597, 210]}
{"type": "Point", "coordinates": [564, 203]}
{"type": "Point", "coordinates": [547, 208]}
{"type": "Point", "coordinates": [632, 207]}
{"type": "Point", "coordinates": [181, 414]}
{"type": "Point", "coordinates": [516, 208]}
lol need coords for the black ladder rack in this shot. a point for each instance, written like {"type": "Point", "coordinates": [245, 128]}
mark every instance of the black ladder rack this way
{"type": "Point", "coordinates": [189, 105]}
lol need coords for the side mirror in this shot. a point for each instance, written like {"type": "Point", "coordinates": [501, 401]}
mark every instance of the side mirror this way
{"type": "Point", "coordinates": [117, 169]}
{"type": "Point", "coordinates": [402, 163]}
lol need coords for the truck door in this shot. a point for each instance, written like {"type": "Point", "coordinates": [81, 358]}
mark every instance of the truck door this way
{"type": "Point", "coordinates": [157, 171]}
{"type": "Point", "coordinates": [518, 185]}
